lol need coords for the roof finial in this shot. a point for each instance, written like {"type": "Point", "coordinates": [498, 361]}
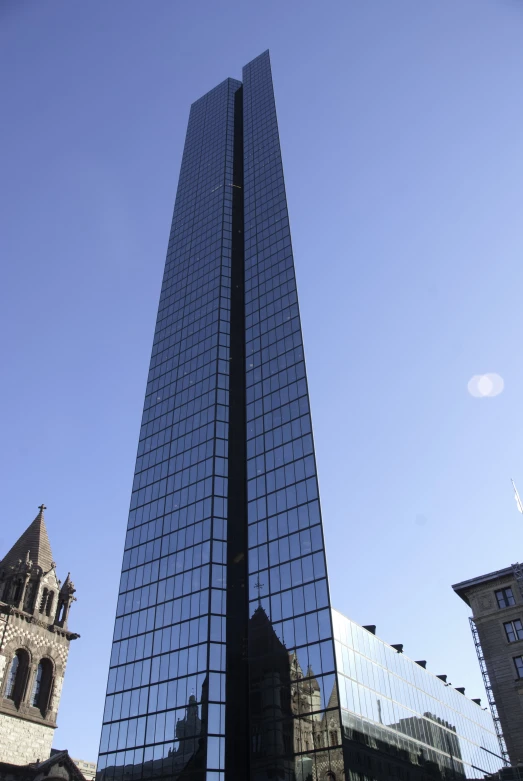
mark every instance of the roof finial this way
{"type": "Point", "coordinates": [259, 586]}
{"type": "Point", "coordinates": [42, 507]}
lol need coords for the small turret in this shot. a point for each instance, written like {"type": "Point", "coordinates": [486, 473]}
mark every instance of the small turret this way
{"type": "Point", "coordinates": [65, 600]}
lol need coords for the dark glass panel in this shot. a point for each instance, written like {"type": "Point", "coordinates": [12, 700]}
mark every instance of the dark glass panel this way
{"type": "Point", "coordinates": [287, 587]}
{"type": "Point", "coordinates": [158, 683]}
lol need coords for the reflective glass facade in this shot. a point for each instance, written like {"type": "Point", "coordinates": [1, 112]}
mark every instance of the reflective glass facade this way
{"type": "Point", "coordinates": [290, 633]}
{"type": "Point", "coordinates": [223, 666]}
{"type": "Point", "coordinates": [400, 721]}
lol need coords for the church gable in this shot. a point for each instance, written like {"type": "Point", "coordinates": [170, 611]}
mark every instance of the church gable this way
{"type": "Point", "coordinates": [60, 766]}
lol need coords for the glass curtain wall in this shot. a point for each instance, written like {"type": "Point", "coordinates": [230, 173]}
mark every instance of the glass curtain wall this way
{"type": "Point", "coordinates": [223, 661]}
{"type": "Point", "coordinates": [294, 714]}
{"type": "Point", "coordinates": [165, 689]}
{"type": "Point", "coordinates": [397, 714]}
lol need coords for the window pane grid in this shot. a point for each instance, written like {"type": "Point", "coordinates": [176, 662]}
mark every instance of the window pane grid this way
{"type": "Point", "coordinates": [160, 681]}
{"type": "Point", "coordinates": [505, 597]}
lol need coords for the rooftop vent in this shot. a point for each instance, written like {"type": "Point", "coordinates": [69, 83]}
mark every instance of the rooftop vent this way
{"type": "Point", "coordinates": [460, 689]}
{"type": "Point", "coordinates": [397, 647]}
{"type": "Point", "coordinates": [370, 628]}
{"type": "Point", "coordinates": [422, 663]}
{"type": "Point", "coordinates": [476, 700]}
{"type": "Point", "coordinates": [442, 678]}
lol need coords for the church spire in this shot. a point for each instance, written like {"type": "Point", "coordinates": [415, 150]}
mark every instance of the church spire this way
{"type": "Point", "coordinates": [34, 541]}
{"type": "Point", "coordinates": [34, 645]}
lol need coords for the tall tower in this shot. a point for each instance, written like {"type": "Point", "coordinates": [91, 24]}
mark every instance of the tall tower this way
{"type": "Point", "coordinates": [224, 579]}
{"type": "Point", "coordinates": [34, 644]}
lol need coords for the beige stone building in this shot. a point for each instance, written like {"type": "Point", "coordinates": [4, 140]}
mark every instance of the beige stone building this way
{"type": "Point", "coordinates": [88, 769]}
{"type": "Point", "coordinates": [496, 600]}
{"type": "Point", "coordinates": [34, 645]}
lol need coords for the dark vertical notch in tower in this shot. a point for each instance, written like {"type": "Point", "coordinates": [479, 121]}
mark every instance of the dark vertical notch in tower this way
{"type": "Point", "coordinates": [236, 722]}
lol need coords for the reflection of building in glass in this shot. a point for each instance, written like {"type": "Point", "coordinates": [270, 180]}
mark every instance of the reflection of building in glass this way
{"type": "Point", "coordinates": [512, 773]}
{"type": "Point", "coordinates": [181, 757]}
{"type": "Point", "coordinates": [432, 731]}
{"type": "Point", "coordinates": [270, 700]}
{"type": "Point", "coordinates": [438, 734]}
{"type": "Point", "coordinates": [401, 721]}
{"type": "Point", "coordinates": [224, 577]}
{"type": "Point", "coordinates": [290, 711]}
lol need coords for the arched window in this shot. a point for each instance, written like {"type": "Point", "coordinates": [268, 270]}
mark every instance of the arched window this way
{"type": "Point", "coordinates": [11, 678]}
{"type": "Point", "coordinates": [16, 591]}
{"type": "Point", "coordinates": [30, 596]}
{"type": "Point", "coordinates": [41, 692]}
{"type": "Point", "coordinates": [17, 677]}
{"type": "Point", "coordinates": [35, 694]}
{"type": "Point", "coordinates": [49, 605]}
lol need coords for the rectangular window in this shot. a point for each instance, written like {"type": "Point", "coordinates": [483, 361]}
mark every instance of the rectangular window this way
{"type": "Point", "coordinates": [518, 661]}
{"type": "Point", "coordinates": [514, 630]}
{"type": "Point", "coordinates": [505, 597]}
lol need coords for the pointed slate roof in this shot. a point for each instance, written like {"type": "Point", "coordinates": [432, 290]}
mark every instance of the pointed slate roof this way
{"type": "Point", "coordinates": [315, 686]}
{"type": "Point", "coordinates": [35, 540]}
{"type": "Point", "coordinates": [68, 586]}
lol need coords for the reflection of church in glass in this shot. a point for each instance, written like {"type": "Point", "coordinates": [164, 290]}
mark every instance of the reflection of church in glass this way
{"type": "Point", "coordinates": [188, 735]}
{"type": "Point", "coordinates": [295, 734]}
{"type": "Point", "coordinates": [315, 729]}
{"type": "Point", "coordinates": [183, 759]}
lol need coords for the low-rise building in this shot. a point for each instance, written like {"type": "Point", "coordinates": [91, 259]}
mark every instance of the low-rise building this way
{"type": "Point", "coordinates": [58, 767]}
{"type": "Point", "coordinates": [401, 721]}
{"type": "Point", "coordinates": [88, 768]}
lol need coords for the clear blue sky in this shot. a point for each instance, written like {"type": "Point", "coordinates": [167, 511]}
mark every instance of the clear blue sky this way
{"type": "Point", "coordinates": [401, 128]}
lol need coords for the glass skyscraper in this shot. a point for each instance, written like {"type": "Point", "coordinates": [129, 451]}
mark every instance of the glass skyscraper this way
{"type": "Point", "coordinates": [223, 665]}
{"type": "Point", "coordinates": [224, 595]}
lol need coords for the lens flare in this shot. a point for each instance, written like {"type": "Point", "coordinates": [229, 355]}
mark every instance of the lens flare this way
{"type": "Point", "coordinates": [483, 386]}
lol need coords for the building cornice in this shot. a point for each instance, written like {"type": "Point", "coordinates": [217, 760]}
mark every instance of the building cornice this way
{"type": "Point", "coordinates": [10, 610]}
{"type": "Point", "coordinates": [462, 589]}
{"type": "Point", "coordinates": [24, 712]}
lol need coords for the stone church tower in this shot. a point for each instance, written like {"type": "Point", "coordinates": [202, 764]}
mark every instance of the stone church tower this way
{"type": "Point", "coordinates": [34, 644]}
